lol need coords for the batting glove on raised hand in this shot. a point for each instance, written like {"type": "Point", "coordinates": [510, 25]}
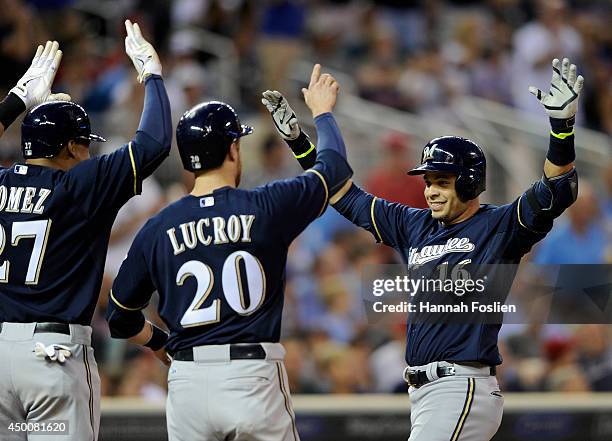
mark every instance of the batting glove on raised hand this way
{"type": "Point", "coordinates": [562, 99]}
{"type": "Point", "coordinates": [35, 86]}
{"type": "Point", "coordinates": [141, 52]}
{"type": "Point", "coordinates": [284, 118]}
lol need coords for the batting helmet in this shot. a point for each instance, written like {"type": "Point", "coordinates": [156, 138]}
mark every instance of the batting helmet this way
{"type": "Point", "coordinates": [458, 156]}
{"type": "Point", "coordinates": [49, 126]}
{"type": "Point", "coordinates": [205, 133]}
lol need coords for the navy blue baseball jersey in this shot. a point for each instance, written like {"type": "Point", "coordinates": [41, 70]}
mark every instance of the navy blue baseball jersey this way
{"type": "Point", "coordinates": [494, 235]}
{"type": "Point", "coordinates": [55, 225]}
{"type": "Point", "coordinates": [218, 260]}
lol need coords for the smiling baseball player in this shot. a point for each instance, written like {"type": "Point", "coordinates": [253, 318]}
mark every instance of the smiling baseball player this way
{"type": "Point", "coordinates": [451, 367]}
{"type": "Point", "coordinates": [56, 212]}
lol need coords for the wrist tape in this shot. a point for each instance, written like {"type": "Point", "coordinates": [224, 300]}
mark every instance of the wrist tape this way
{"type": "Point", "coordinates": [10, 108]}
{"type": "Point", "coordinates": [158, 339]}
{"type": "Point", "coordinates": [561, 145]}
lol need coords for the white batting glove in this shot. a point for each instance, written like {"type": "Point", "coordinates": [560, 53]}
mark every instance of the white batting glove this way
{"type": "Point", "coordinates": [35, 86]}
{"type": "Point", "coordinates": [141, 52]}
{"type": "Point", "coordinates": [284, 118]}
{"type": "Point", "coordinates": [561, 102]}
{"type": "Point", "coordinates": [53, 352]}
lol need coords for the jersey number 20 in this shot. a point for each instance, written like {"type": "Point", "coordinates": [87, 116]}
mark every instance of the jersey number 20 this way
{"type": "Point", "coordinates": [232, 287]}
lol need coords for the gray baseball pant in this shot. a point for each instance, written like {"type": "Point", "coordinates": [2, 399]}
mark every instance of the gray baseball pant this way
{"type": "Point", "coordinates": [465, 407]}
{"type": "Point", "coordinates": [37, 390]}
{"type": "Point", "coordinates": [214, 398]}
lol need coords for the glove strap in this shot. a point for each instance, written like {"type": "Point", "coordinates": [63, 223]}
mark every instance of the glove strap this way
{"type": "Point", "coordinates": [562, 125]}
{"type": "Point", "coordinates": [561, 144]}
{"type": "Point", "coordinates": [10, 108]}
{"type": "Point", "coordinates": [303, 150]}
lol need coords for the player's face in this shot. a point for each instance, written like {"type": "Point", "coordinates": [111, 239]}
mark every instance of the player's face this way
{"type": "Point", "coordinates": [442, 198]}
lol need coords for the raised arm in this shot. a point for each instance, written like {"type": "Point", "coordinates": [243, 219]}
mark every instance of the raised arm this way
{"type": "Point", "coordinates": [328, 172]}
{"type": "Point", "coordinates": [129, 165]}
{"type": "Point", "coordinates": [561, 104]}
{"type": "Point", "coordinates": [154, 135]}
{"type": "Point", "coordinates": [535, 210]}
{"type": "Point", "coordinates": [386, 221]}
{"type": "Point", "coordinates": [34, 87]}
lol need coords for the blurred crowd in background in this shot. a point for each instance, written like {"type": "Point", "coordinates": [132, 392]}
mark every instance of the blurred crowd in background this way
{"type": "Point", "coordinates": [412, 55]}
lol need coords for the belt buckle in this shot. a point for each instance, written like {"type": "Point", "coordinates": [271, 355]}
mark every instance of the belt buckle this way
{"type": "Point", "coordinates": [409, 375]}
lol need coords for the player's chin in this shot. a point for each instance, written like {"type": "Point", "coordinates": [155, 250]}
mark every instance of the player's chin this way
{"type": "Point", "coordinates": [438, 210]}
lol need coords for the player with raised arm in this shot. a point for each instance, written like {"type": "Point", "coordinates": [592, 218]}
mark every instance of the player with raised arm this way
{"type": "Point", "coordinates": [217, 259]}
{"type": "Point", "coordinates": [451, 367]}
{"type": "Point", "coordinates": [56, 212]}
{"type": "Point", "coordinates": [34, 87]}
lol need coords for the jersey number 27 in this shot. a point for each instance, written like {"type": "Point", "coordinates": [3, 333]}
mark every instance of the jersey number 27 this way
{"type": "Point", "coordinates": [37, 230]}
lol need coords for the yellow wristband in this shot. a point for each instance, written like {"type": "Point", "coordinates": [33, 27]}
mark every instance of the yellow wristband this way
{"type": "Point", "coordinates": [312, 146]}
{"type": "Point", "coordinates": [561, 135]}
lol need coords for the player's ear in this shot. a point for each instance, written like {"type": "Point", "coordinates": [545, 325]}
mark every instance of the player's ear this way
{"type": "Point", "coordinates": [234, 151]}
{"type": "Point", "coordinates": [71, 147]}
{"type": "Point", "coordinates": [65, 152]}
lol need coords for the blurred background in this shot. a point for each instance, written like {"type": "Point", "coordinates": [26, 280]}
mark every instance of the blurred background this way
{"type": "Point", "coordinates": [409, 71]}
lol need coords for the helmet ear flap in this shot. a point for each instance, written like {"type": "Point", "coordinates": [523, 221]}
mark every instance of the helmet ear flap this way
{"type": "Point", "coordinates": [469, 184]}
{"type": "Point", "coordinates": [464, 186]}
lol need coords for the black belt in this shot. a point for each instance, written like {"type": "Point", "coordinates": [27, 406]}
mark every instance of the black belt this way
{"type": "Point", "coordinates": [55, 328]}
{"type": "Point", "coordinates": [419, 378]}
{"type": "Point", "coordinates": [237, 352]}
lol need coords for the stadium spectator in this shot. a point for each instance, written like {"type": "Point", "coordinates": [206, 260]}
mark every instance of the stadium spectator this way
{"type": "Point", "coordinates": [282, 29]}
{"type": "Point", "coordinates": [595, 356]}
{"type": "Point", "coordinates": [550, 36]}
{"type": "Point", "coordinates": [300, 367]}
{"type": "Point", "coordinates": [563, 373]}
{"type": "Point", "coordinates": [582, 239]}
{"type": "Point", "coordinates": [387, 361]}
{"type": "Point", "coordinates": [389, 180]}
{"type": "Point", "coordinates": [144, 378]}
{"type": "Point", "coordinates": [273, 162]}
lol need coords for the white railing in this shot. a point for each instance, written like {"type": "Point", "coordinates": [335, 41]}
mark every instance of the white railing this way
{"type": "Point", "coordinates": [382, 403]}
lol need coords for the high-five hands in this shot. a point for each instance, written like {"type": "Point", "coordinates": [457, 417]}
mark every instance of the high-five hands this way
{"type": "Point", "coordinates": [35, 86]}
{"type": "Point", "coordinates": [561, 102]}
{"type": "Point", "coordinates": [322, 92]}
{"type": "Point", "coordinates": [141, 52]}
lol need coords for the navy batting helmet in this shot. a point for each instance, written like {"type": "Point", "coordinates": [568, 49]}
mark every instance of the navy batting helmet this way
{"type": "Point", "coordinates": [49, 126]}
{"type": "Point", "coordinates": [458, 156]}
{"type": "Point", "coordinates": [205, 133]}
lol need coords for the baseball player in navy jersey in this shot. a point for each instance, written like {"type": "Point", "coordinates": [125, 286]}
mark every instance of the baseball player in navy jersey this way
{"type": "Point", "coordinates": [451, 367]}
{"type": "Point", "coordinates": [34, 87]}
{"type": "Point", "coordinates": [56, 212]}
{"type": "Point", "coordinates": [217, 258]}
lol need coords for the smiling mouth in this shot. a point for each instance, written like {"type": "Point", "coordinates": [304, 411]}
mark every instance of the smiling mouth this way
{"type": "Point", "coordinates": [436, 206]}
